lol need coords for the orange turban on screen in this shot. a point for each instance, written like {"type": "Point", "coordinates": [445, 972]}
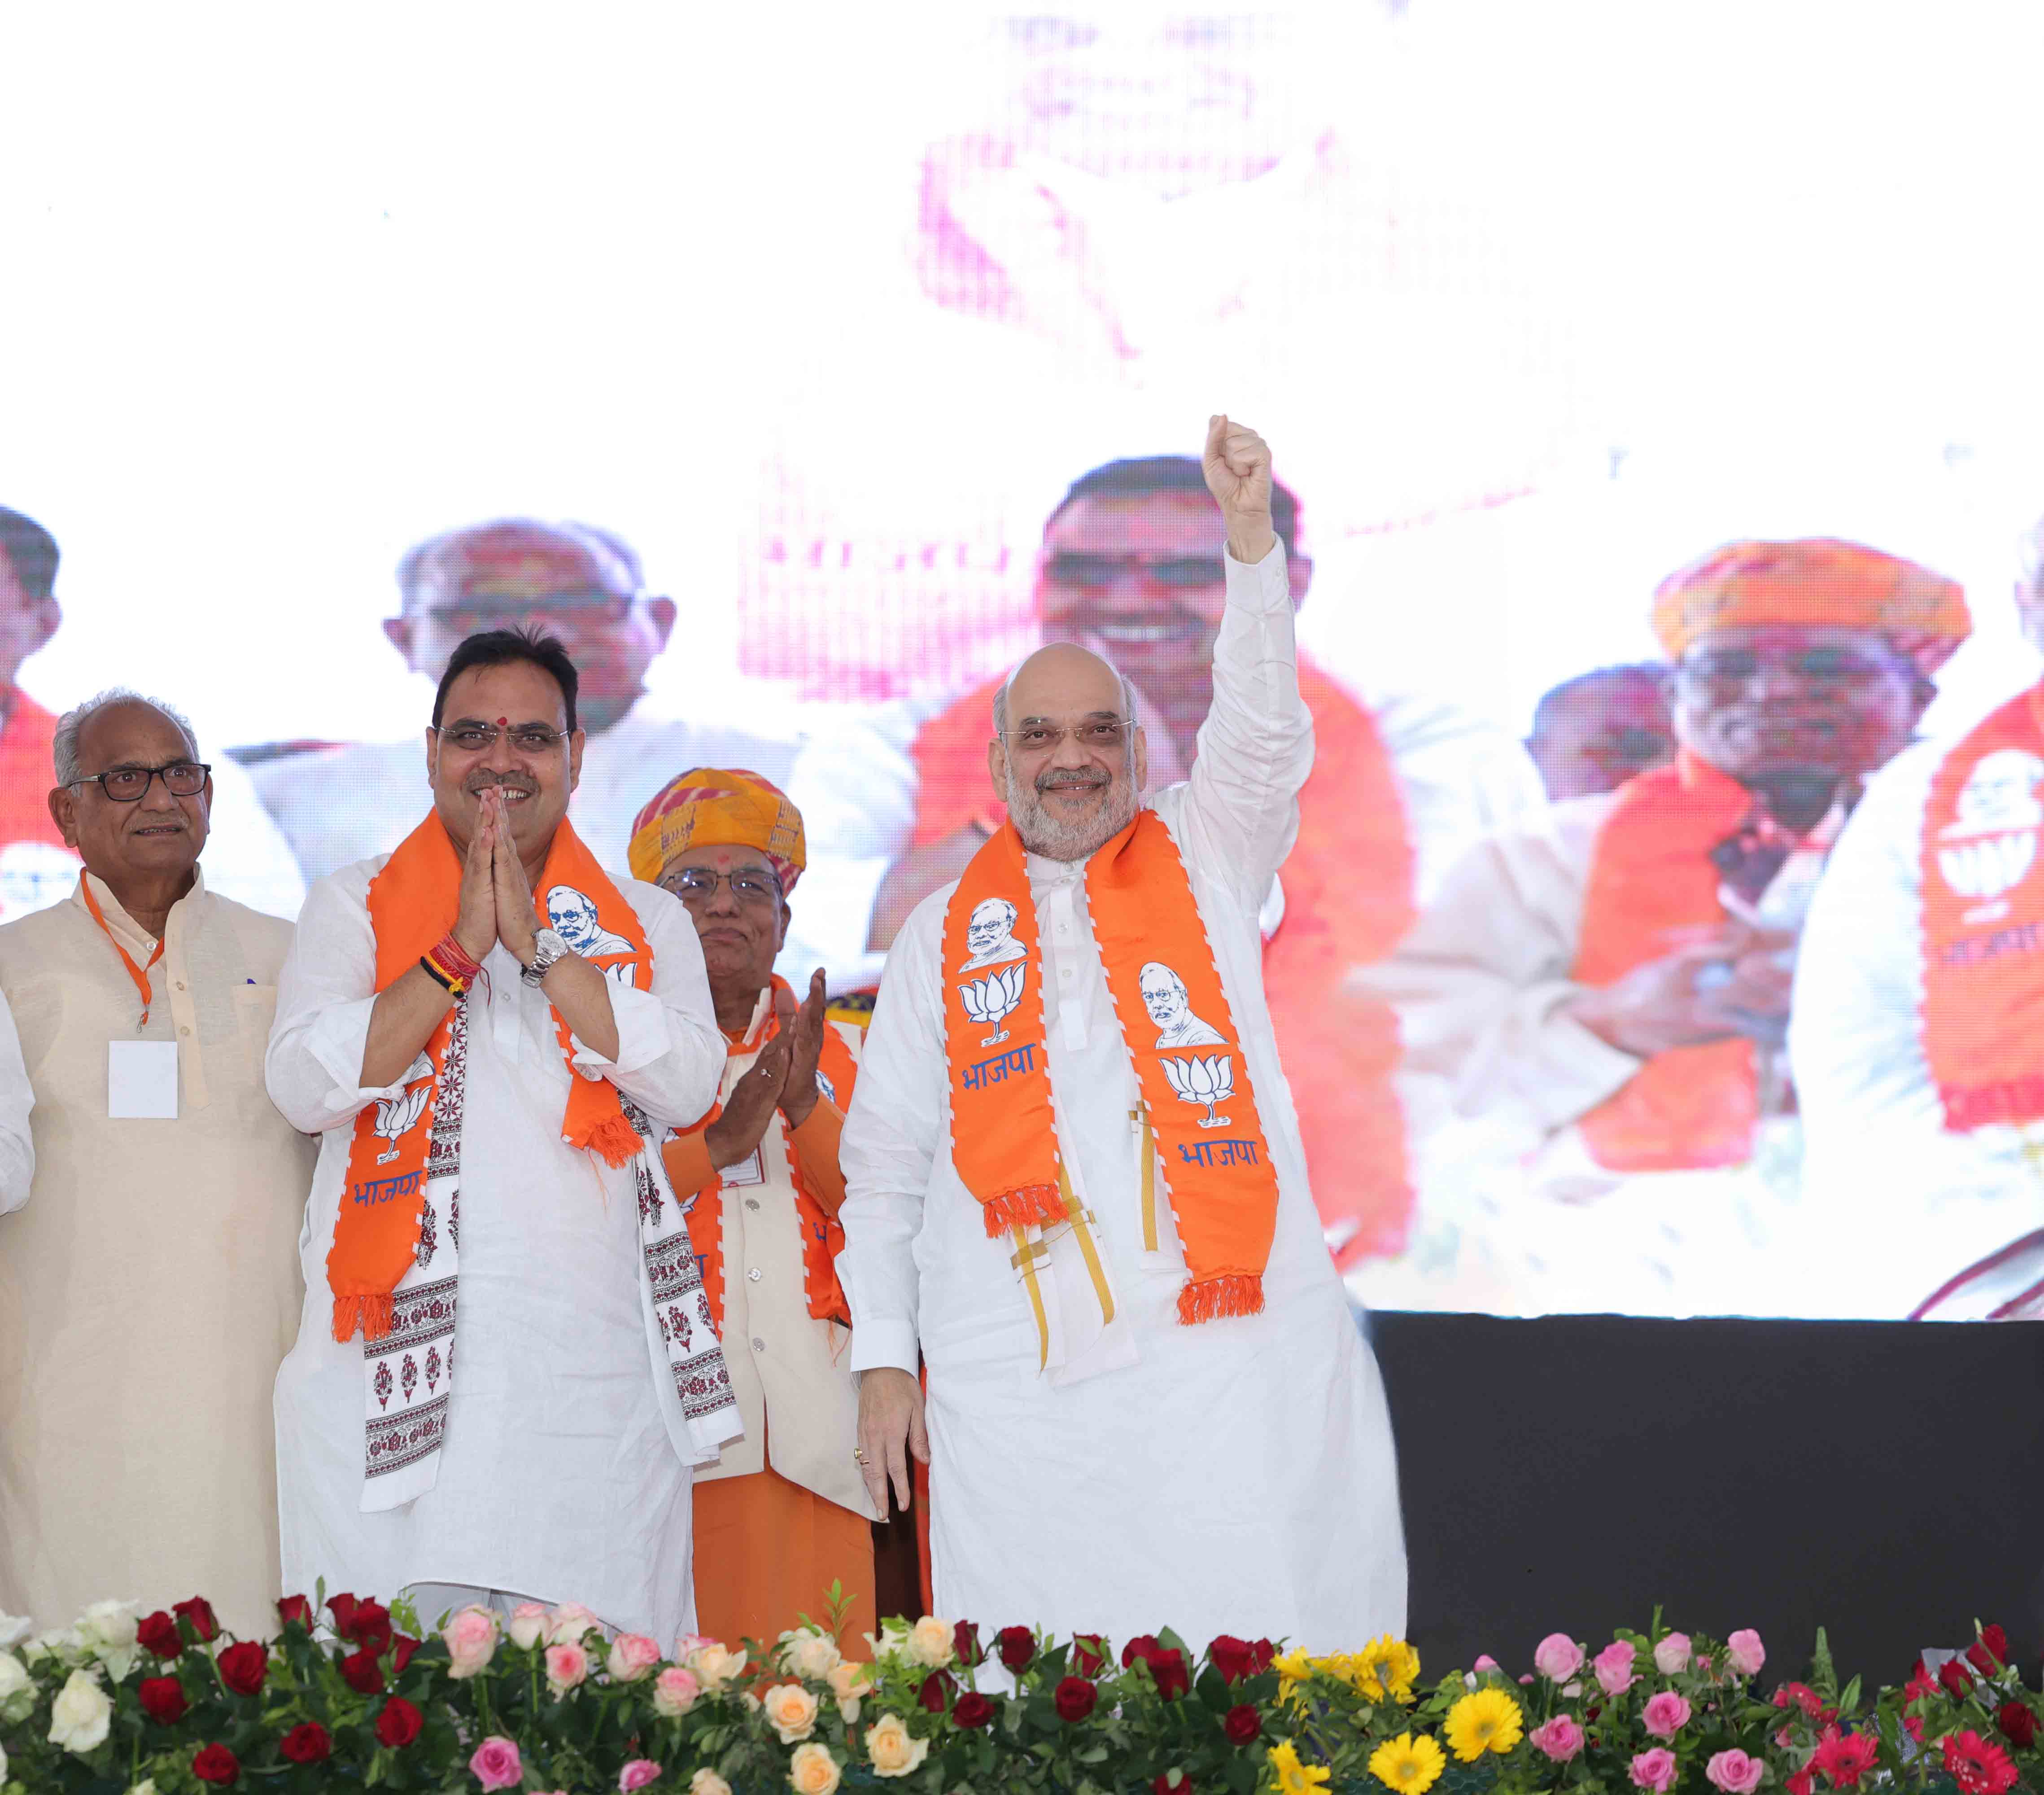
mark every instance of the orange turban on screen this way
{"type": "Point", "coordinates": [1819, 580]}
{"type": "Point", "coordinates": [706, 807]}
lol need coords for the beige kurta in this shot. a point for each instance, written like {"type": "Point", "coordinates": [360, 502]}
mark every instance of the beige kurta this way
{"type": "Point", "coordinates": [150, 1285]}
{"type": "Point", "coordinates": [1528, 1222]}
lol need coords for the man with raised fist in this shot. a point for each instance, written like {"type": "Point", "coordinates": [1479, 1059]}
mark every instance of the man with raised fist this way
{"type": "Point", "coordinates": [1146, 1393]}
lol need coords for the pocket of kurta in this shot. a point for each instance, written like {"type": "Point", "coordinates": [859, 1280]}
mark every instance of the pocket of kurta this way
{"type": "Point", "coordinates": [255, 1009]}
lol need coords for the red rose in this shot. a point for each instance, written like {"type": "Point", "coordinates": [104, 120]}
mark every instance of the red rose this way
{"type": "Point", "coordinates": [244, 1666]}
{"type": "Point", "coordinates": [159, 1633]}
{"type": "Point", "coordinates": [363, 1672]}
{"type": "Point", "coordinates": [298, 1608]}
{"type": "Point", "coordinates": [1241, 1724]}
{"type": "Point", "coordinates": [1230, 1656]}
{"type": "Point", "coordinates": [2018, 1722]}
{"type": "Point", "coordinates": [215, 1763]}
{"type": "Point", "coordinates": [973, 1710]}
{"type": "Point", "coordinates": [1956, 1679]}
{"type": "Point", "coordinates": [1088, 1654]}
{"type": "Point", "coordinates": [1981, 1659]}
{"type": "Point", "coordinates": [402, 1646]}
{"type": "Point", "coordinates": [1143, 1645]}
{"type": "Point", "coordinates": [369, 1626]}
{"type": "Point", "coordinates": [1996, 1641]}
{"type": "Point", "coordinates": [1075, 1697]}
{"type": "Point", "coordinates": [1018, 1646]}
{"type": "Point", "coordinates": [198, 1611]}
{"type": "Point", "coordinates": [306, 1743]}
{"type": "Point", "coordinates": [935, 1692]}
{"type": "Point", "coordinates": [399, 1722]}
{"type": "Point", "coordinates": [1168, 1670]}
{"type": "Point", "coordinates": [1170, 1782]}
{"type": "Point", "coordinates": [965, 1643]}
{"type": "Point", "coordinates": [342, 1608]}
{"type": "Point", "coordinates": [162, 1699]}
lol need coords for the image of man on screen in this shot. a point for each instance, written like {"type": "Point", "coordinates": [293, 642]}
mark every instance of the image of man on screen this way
{"type": "Point", "coordinates": [580, 584]}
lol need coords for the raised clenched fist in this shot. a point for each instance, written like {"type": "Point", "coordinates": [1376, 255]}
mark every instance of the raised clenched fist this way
{"type": "Point", "coordinates": [1238, 469]}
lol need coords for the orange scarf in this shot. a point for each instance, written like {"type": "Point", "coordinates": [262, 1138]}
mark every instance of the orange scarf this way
{"type": "Point", "coordinates": [1652, 889]}
{"type": "Point", "coordinates": [823, 1237]}
{"type": "Point", "coordinates": [1983, 1015]}
{"type": "Point", "coordinates": [1348, 901]}
{"type": "Point", "coordinates": [384, 1220]}
{"type": "Point", "coordinates": [1224, 1191]}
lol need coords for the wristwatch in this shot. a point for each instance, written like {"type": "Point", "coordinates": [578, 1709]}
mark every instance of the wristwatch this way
{"type": "Point", "coordinates": [547, 948]}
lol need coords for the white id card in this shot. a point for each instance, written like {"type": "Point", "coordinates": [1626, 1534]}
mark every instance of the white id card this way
{"type": "Point", "coordinates": [142, 1081]}
{"type": "Point", "coordinates": [747, 1170]}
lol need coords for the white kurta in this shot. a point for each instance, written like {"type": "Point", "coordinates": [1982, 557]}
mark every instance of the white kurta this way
{"type": "Point", "coordinates": [17, 1145]}
{"type": "Point", "coordinates": [790, 1373]}
{"type": "Point", "coordinates": [150, 1285]}
{"type": "Point", "coordinates": [1524, 1221]}
{"type": "Point", "coordinates": [1893, 1204]}
{"type": "Point", "coordinates": [1239, 1477]}
{"type": "Point", "coordinates": [557, 1478]}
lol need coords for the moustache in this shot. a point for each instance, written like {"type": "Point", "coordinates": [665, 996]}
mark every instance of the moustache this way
{"type": "Point", "coordinates": [478, 783]}
{"type": "Point", "coordinates": [1070, 782]}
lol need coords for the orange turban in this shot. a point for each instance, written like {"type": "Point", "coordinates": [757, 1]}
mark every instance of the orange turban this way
{"type": "Point", "coordinates": [1816, 581]}
{"type": "Point", "coordinates": [706, 807]}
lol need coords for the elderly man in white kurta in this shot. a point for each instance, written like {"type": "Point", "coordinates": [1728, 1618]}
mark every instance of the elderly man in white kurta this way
{"type": "Point", "coordinates": [1149, 1404]}
{"type": "Point", "coordinates": [149, 1284]}
{"type": "Point", "coordinates": [503, 1374]}
{"type": "Point", "coordinates": [1916, 1042]}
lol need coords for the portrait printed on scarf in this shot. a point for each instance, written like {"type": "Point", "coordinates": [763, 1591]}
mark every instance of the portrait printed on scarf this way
{"type": "Point", "coordinates": [1165, 996]}
{"type": "Point", "coordinates": [572, 915]}
{"type": "Point", "coordinates": [1990, 847]}
{"type": "Point", "coordinates": [990, 934]}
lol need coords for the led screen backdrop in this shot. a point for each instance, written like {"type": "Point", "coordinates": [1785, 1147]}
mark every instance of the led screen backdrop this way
{"type": "Point", "coordinates": [775, 342]}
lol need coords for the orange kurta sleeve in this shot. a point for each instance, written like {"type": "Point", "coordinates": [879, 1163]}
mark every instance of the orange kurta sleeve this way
{"type": "Point", "coordinates": [686, 1158]}
{"type": "Point", "coordinates": [816, 1146]}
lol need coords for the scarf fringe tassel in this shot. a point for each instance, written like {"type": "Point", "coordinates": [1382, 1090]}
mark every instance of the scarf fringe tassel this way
{"type": "Point", "coordinates": [615, 1141]}
{"type": "Point", "coordinates": [1216, 1296]}
{"type": "Point", "coordinates": [1027, 1205]}
{"type": "Point", "coordinates": [371, 1314]}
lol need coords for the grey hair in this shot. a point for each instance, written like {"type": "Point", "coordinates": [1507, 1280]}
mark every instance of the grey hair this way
{"type": "Point", "coordinates": [63, 750]}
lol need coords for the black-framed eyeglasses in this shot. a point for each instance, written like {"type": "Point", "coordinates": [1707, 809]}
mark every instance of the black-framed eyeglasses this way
{"type": "Point", "coordinates": [126, 784]}
{"type": "Point", "coordinates": [1096, 572]}
{"type": "Point", "coordinates": [479, 738]}
{"type": "Point", "coordinates": [1820, 666]}
{"type": "Point", "coordinates": [472, 616]}
{"type": "Point", "coordinates": [1104, 735]}
{"type": "Point", "coordinates": [749, 885]}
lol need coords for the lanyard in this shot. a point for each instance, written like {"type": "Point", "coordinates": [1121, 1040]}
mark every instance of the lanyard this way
{"type": "Point", "coordinates": [140, 975]}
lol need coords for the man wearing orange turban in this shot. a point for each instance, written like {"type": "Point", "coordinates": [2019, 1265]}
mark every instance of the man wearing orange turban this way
{"type": "Point", "coordinates": [783, 1513]}
{"type": "Point", "coordinates": [1609, 996]}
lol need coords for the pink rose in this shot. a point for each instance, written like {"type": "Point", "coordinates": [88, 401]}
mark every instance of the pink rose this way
{"type": "Point", "coordinates": [1655, 1769]}
{"type": "Point", "coordinates": [496, 1764]}
{"type": "Point", "coordinates": [1614, 1666]}
{"type": "Point", "coordinates": [1485, 1662]}
{"type": "Point", "coordinates": [675, 1691]}
{"type": "Point", "coordinates": [470, 1638]}
{"type": "Point", "coordinates": [1665, 1714]}
{"type": "Point", "coordinates": [637, 1773]}
{"type": "Point", "coordinates": [1735, 1773]}
{"type": "Point", "coordinates": [567, 1624]}
{"type": "Point", "coordinates": [567, 1665]}
{"type": "Point", "coordinates": [1557, 1657]}
{"type": "Point", "coordinates": [528, 1621]}
{"type": "Point", "coordinates": [1745, 1652]}
{"type": "Point", "coordinates": [631, 1656]}
{"type": "Point", "coordinates": [1671, 1654]}
{"type": "Point", "coordinates": [1560, 1737]}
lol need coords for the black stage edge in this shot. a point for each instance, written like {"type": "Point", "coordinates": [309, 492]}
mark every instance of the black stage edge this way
{"type": "Point", "coordinates": [1881, 1480]}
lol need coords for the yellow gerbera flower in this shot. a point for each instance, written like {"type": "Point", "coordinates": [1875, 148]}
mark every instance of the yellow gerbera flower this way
{"type": "Point", "coordinates": [1294, 1668]}
{"type": "Point", "coordinates": [1486, 1720]}
{"type": "Point", "coordinates": [1390, 1664]}
{"type": "Point", "coordinates": [1411, 1764]}
{"type": "Point", "coordinates": [1297, 1778]}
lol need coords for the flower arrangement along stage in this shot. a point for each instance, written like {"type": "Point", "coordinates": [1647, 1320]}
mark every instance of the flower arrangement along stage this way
{"type": "Point", "coordinates": [352, 1693]}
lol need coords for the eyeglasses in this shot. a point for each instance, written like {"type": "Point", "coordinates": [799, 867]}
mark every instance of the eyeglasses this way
{"type": "Point", "coordinates": [1098, 572]}
{"type": "Point", "coordinates": [1821, 666]}
{"type": "Point", "coordinates": [472, 616]}
{"type": "Point", "coordinates": [747, 885]}
{"type": "Point", "coordinates": [1106, 735]}
{"type": "Point", "coordinates": [478, 738]}
{"type": "Point", "coordinates": [125, 785]}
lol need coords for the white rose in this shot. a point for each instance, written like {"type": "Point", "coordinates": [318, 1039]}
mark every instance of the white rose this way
{"type": "Point", "coordinates": [891, 1749]}
{"type": "Point", "coordinates": [146, 1786]}
{"type": "Point", "coordinates": [715, 1665]}
{"type": "Point", "coordinates": [108, 1630]}
{"type": "Point", "coordinates": [791, 1712]}
{"type": "Point", "coordinates": [528, 1622]}
{"type": "Point", "coordinates": [15, 1628]}
{"type": "Point", "coordinates": [930, 1642]}
{"type": "Point", "coordinates": [809, 1653]}
{"type": "Point", "coordinates": [812, 1771]}
{"type": "Point", "coordinates": [79, 1715]}
{"type": "Point", "coordinates": [707, 1781]}
{"type": "Point", "coordinates": [892, 1641]}
{"type": "Point", "coordinates": [14, 1678]}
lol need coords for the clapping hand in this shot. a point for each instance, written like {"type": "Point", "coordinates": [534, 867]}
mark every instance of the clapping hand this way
{"type": "Point", "coordinates": [798, 1096]}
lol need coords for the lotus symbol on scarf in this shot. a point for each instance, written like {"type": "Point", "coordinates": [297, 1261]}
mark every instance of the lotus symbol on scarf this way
{"type": "Point", "coordinates": [396, 1116]}
{"type": "Point", "coordinates": [1206, 1078]}
{"type": "Point", "coordinates": [992, 997]}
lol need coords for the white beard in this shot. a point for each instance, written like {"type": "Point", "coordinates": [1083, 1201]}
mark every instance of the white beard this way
{"type": "Point", "coordinates": [1067, 841]}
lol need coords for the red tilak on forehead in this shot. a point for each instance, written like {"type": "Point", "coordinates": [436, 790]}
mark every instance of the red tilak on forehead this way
{"type": "Point", "coordinates": [503, 722]}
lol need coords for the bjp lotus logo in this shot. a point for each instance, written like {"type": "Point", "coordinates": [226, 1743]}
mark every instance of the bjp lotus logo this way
{"type": "Point", "coordinates": [993, 998]}
{"type": "Point", "coordinates": [396, 1117]}
{"type": "Point", "coordinates": [1207, 1078]}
